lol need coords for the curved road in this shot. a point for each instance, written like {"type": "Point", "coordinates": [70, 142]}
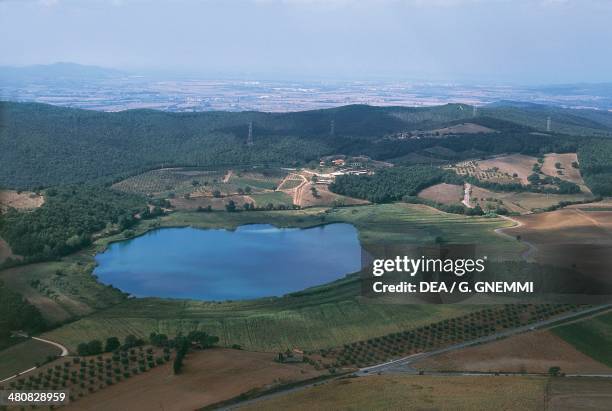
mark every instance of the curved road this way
{"type": "Point", "coordinates": [531, 249]}
{"type": "Point", "coordinates": [64, 352]}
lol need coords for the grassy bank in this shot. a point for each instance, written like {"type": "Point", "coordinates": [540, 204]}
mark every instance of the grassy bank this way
{"type": "Point", "coordinates": [326, 316]}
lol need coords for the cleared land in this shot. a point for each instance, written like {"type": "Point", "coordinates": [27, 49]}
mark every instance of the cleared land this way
{"type": "Point", "coordinates": [195, 202]}
{"type": "Point", "coordinates": [23, 356]}
{"type": "Point", "coordinates": [516, 163]}
{"type": "Point", "coordinates": [208, 377]}
{"type": "Point", "coordinates": [464, 128]}
{"type": "Point", "coordinates": [399, 392]}
{"type": "Point", "coordinates": [571, 237]}
{"type": "Point", "coordinates": [324, 197]}
{"type": "Point", "coordinates": [592, 337]}
{"type": "Point", "coordinates": [443, 193]}
{"type": "Point", "coordinates": [519, 202]}
{"type": "Point", "coordinates": [534, 352]}
{"type": "Point", "coordinates": [20, 200]}
{"type": "Point", "coordinates": [193, 182]}
{"type": "Point", "coordinates": [567, 171]}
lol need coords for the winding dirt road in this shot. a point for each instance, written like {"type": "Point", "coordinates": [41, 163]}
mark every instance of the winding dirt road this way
{"type": "Point", "coordinates": [526, 255]}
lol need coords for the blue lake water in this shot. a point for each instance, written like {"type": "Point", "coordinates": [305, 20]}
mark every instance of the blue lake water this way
{"type": "Point", "coordinates": [252, 261]}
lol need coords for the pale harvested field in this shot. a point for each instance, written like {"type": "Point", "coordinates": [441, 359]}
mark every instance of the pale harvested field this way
{"type": "Point", "coordinates": [532, 352]}
{"type": "Point", "coordinates": [523, 202]}
{"type": "Point", "coordinates": [515, 163]}
{"type": "Point", "coordinates": [464, 128]}
{"type": "Point", "coordinates": [571, 237]}
{"type": "Point", "coordinates": [443, 193]}
{"type": "Point", "coordinates": [403, 392]}
{"type": "Point", "coordinates": [208, 377]}
{"type": "Point", "coordinates": [193, 203]}
{"type": "Point", "coordinates": [21, 201]}
{"type": "Point", "coordinates": [565, 394]}
{"type": "Point", "coordinates": [569, 173]}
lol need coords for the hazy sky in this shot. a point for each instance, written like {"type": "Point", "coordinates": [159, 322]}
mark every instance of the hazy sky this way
{"type": "Point", "coordinates": [524, 41]}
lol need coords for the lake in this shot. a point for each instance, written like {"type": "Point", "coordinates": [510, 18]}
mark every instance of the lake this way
{"type": "Point", "coordinates": [252, 261]}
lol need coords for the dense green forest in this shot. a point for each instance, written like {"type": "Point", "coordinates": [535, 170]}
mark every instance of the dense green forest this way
{"type": "Point", "coordinates": [17, 314]}
{"type": "Point", "coordinates": [388, 184]}
{"type": "Point", "coordinates": [596, 165]}
{"type": "Point", "coordinates": [43, 145]}
{"type": "Point", "coordinates": [67, 220]}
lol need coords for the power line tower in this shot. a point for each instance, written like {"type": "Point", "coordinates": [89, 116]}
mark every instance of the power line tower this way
{"type": "Point", "coordinates": [332, 127]}
{"type": "Point", "coordinates": [250, 137]}
{"type": "Point", "coordinates": [548, 128]}
{"type": "Point", "coordinates": [474, 111]}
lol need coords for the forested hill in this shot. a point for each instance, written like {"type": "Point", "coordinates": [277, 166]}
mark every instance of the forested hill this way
{"type": "Point", "coordinates": [43, 145]}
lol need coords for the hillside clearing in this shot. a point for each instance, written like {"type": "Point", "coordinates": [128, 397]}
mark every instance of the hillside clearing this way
{"type": "Point", "coordinates": [20, 200]}
{"type": "Point", "coordinates": [514, 163]}
{"type": "Point", "coordinates": [567, 171]}
{"type": "Point", "coordinates": [443, 193]}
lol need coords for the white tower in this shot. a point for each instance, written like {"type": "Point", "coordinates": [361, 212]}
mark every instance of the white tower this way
{"type": "Point", "coordinates": [332, 128]}
{"type": "Point", "coordinates": [250, 137]}
{"type": "Point", "coordinates": [548, 128]}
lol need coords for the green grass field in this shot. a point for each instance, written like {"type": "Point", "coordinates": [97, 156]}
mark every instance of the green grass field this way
{"type": "Point", "coordinates": [326, 316]}
{"type": "Point", "coordinates": [23, 356]}
{"type": "Point", "coordinates": [273, 197]}
{"type": "Point", "coordinates": [592, 337]}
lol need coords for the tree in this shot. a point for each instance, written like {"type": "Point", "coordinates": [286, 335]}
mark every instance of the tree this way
{"type": "Point", "coordinates": [554, 371]}
{"type": "Point", "coordinates": [230, 206]}
{"type": "Point", "coordinates": [112, 343]}
{"type": "Point", "coordinates": [216, 194]}
{"type": "Point", "coordinates": [247, 190]}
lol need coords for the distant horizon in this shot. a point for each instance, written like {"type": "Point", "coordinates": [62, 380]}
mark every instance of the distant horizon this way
{"type": "Point", "coordinates": [522, 42]}
{"type": "Point", "coordinates": [168, 74]}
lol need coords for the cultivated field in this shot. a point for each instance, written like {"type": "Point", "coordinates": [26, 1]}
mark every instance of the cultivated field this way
{"type": "Point", "coordinates": [208, 377]}
{"type": "Point", "coordinates": [519, 202]}
{"type": "Point", "coordinates": [193, 182]}
{"type": "Point", "coordinates": [565, 394]}
{"type": "Point", "coordinates": [443, 193]}
{"type": "Point", "coordinates": [402, 392]}
{"type": "Point", "coordinates": [20, 200]}
{"type": "Point", "coordinates": [533, 352]}
{"type": "Point", "coordinates": [509, 165]}
{"type": "Point", "coordinates": [571, 237]}
{"type": "Point", "coordinates": [592, 337]}
{"type": "Point", "coordinates": [195, 202]}
{"type": "Point", "coordinates": [23, 356]}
